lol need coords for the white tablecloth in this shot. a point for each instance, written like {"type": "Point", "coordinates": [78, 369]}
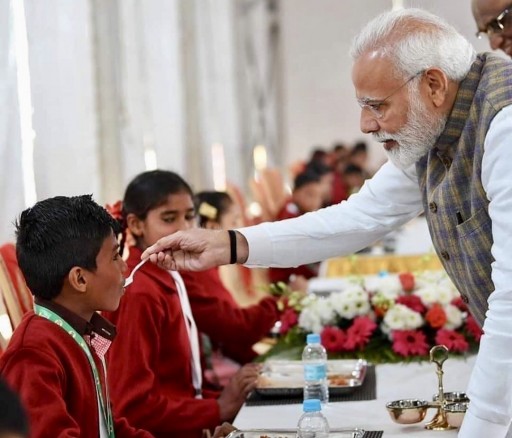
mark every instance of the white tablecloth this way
{"type": "Point", "coordinates": [394, 382]}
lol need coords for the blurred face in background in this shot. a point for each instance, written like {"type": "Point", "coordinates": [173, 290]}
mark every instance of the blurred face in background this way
{"type": "Point", "coordinates": [326, 183]}
{"type": "Point", "coordinates": [176, 214]}
{"type": "Point", "coordinates": [231, 218]}
{"type": "Point", "coordinates": [494, 20]}
{"type": "Point", "coordinates": [308, 197]}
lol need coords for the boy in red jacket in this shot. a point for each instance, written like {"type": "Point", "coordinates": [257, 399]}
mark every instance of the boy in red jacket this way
{"type": "Point", "coordinates": [68, 253]}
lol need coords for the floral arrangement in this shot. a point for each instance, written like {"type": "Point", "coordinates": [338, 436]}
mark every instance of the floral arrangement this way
{"type": "Point", "coordinates": [389, 318]}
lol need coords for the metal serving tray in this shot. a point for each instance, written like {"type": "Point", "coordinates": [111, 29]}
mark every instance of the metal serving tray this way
{"type": "Point", "coordinates": [289, 433]}
{"type": "Point", "coordinates": [286, 377]}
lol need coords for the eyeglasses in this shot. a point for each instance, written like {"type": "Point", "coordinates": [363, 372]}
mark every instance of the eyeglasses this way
{"type": "Point", "coordinates": [497, 25]}
{"type": "Point", "coordinates": [375, 106]}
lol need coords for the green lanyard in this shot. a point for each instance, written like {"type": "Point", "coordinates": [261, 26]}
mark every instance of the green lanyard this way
{"type": "Point", "coordinates": [105, 408]}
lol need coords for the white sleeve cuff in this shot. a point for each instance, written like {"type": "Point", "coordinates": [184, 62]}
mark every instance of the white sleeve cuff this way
{"type": "Point", "coordinates": [260, 245]}
{"type": "Point", "coordinates": [474, 427]}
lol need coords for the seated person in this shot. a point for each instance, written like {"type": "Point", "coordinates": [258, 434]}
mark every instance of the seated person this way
{"type": "Point", "coordinates": [240, 328]}
{"type": "Point", "coordinates": [68, 253]}
{"type": "Point", "coordinates": [13, 418]}
{"type": "Point", "coordinates": [158, 336]}
{"type": "Point", "coordinates": [355, 177]}
{"type": "Point", "coordinates": [326, 175]}
{"type": "Point", "coordinates": [306, 197]}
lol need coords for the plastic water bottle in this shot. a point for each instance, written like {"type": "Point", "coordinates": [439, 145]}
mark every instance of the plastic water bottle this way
{"type": "Point", "coordinates": [312, 423]}
{"type": "Point", "coordinates": [314, 359]}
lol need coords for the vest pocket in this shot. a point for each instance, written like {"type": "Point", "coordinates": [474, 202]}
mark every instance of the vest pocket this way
{"type": "Point", "coordinates": [475, 242]}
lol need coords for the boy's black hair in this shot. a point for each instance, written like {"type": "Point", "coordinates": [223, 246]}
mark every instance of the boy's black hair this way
{"type": "Point", "coordinates": [57, 234]}
{"type": "Point", "coordinates": [220, 200]}
{"type": "Point", "coordinates": [149, 190]}
{"type": "Point", "coordinates": [13, 418]}
{"type": "Point", "coordinates": [305, 178]}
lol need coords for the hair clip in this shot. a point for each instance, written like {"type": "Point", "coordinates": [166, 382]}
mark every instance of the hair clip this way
{"type": "Point", "coordinates": [115, 210]}
{"type": "Point", "coordinates": [208, 211]}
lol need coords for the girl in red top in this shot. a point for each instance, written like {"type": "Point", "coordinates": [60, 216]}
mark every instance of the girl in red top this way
{"type": "Point", "coordinates": [157, 382]}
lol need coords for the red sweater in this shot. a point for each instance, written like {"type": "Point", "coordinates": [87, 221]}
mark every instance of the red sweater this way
{"type": "Point", "coordinates": [54, 380]}
{"type": "Point", "coordinates": [153, 377]}
{"type": "Point", "coordinates": [233, 328]}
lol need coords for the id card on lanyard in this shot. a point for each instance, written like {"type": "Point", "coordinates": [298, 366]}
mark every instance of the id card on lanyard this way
{"type": "Point", "coordinates": [105, 407]}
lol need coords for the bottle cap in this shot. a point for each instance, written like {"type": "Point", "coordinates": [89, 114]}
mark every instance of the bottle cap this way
{"type": "Point", "coordinates": [313, 338]}
{"type": "Point", "coordinates": [311, 405]}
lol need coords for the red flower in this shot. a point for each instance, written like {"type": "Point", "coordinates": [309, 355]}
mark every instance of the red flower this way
{"type": "Point", "coordinates": [407, 280]}
{"type": "Point", "coordinates": [359, 333]}
{"type": "Point", "coordinates": [453, 340]}
{"type": "Point", "coordinates": [413, 302]}
{"type": "Point", "coordinates": [473, 328]}
{"type": "Point", "coordinates": [436, 316]}
{"type": "Point", "coordinates": [409, 342]}
{"type": "Point", "coordinates": [461, 305]}
{"type": "Point", "coordinates": [333, 339]}
{"type": "Point", "coordinates": [289, 319]}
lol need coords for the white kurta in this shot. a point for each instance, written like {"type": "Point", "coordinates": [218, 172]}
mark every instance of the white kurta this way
{"type": "Point", "coordinates": [390, 199]}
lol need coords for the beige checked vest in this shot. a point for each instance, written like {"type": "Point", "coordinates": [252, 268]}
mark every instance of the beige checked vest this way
{"type": "Point", "coordinates": [449, 176]}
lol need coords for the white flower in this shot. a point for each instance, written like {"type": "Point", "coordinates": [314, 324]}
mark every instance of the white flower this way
{"type": "Point", "coordinates": [434, 293]}
{"type": "Point", "coordinates": [309, 320]}
{"type": "Point", "coordinates": [351, 302]}
{"type": "Point", "coordinates": [400, 317]}
{"type": "Point", "coordinates": [454, 317]}
{"type": "Point", "coordinates": [429, 278]}
{"type": "Point", "coordinates": [389, 286]}
{"type": "Point", "coordinates": [316, 314]}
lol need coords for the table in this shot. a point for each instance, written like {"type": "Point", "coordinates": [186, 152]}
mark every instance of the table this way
{"type": "Point", "coordinates": [394, 381]}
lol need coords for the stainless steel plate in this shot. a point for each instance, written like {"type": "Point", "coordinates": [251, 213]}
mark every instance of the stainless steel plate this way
{"type": "Point", "coordinates": [285, 378]}
{"type": "Point", "coordinates": [289, 433]}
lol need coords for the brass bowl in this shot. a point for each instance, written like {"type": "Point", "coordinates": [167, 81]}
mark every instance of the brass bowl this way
{"type": "Point", "coordinates": [453, 397]}
{"type": "Point", "coordinates": [455, 413]}
{"type": "Point", "coordinates": [407, 411]}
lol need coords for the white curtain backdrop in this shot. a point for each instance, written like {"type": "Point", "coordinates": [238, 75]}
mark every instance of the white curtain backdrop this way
{"type": "Point", "coordinates": [121, 86]}
{"type": "Point", "coordinates": [11, 174]}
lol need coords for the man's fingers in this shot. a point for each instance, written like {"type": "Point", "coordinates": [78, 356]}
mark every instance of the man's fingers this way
{"type": "Point", "coordinates": [161, 245]}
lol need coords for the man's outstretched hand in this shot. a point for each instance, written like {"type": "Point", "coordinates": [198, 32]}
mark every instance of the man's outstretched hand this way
{"type": "Point", "coordinates": [195, 250]}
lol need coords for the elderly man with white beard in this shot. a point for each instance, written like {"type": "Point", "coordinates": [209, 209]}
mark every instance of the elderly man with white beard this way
{"type": "Point", "coordinates": [444, 117]}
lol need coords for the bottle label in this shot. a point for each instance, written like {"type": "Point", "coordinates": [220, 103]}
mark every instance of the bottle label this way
{"type": "Point", "coordinates": [314, 372]}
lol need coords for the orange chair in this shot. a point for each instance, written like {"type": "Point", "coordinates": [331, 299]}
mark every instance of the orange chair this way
{"type": "Point", "coordinates": [15, 297]}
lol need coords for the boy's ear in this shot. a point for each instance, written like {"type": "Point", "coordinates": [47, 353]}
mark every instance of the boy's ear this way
{"type": "Point", "coordinates": [134, 224]}
{"type": "Point", "coordinates": [77, 279]}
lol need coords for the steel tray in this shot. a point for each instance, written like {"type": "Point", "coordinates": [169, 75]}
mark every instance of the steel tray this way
{"type": "Point", "coordinates": [289, 433]}
{"type": "Point", "coordinates": [285, 378]}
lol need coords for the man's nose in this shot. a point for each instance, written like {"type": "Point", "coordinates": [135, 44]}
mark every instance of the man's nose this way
{"type": "Point", "coordinates": [367, 122]}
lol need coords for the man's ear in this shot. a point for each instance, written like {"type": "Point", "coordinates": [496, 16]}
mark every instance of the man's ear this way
{"type": "Point", "coordinates": [134, 224]}
{"type": "Point", "coordinates": [77, 279]}
{"type": "Point", "coordinates": [437, 86]}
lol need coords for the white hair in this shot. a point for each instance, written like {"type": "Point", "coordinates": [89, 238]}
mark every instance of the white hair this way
{"type": "Point", "coordinates": [416, 40]}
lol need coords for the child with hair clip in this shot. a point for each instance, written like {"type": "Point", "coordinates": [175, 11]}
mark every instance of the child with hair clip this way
{"type": "Point", "coordinates": [158, 351]}
{"type": "Point", "coordinates": [69, 255]}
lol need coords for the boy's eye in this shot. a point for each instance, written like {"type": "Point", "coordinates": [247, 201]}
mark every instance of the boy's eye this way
{"type": "Point", "coordinates": [169, 219]}
{"type": "Point", "coordinates": [191, 216]}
